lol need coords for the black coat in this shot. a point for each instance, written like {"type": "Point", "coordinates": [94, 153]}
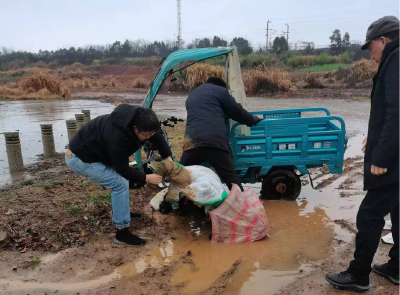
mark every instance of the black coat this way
{"type": "Point", "coordinates": [208, 108]}
{"type": "Point", "coordinates": [110, 139]}
{"type": "Point", "coordinates": [383, 130]}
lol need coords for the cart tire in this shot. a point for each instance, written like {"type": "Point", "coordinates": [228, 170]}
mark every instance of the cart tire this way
{"type": "Point", "coordinates": [281, 185]}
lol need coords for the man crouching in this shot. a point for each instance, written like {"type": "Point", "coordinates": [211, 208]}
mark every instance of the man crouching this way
{"type": "Point", "coordinates": [100, 152]}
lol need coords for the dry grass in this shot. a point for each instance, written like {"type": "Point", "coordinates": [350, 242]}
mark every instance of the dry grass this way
{"type": "Point", "coordinates": [53, 65]}
{"type": "Point", "coordinates": [40, 80]}
{"type": "Point", "coordinates": [199, 73]}
{"type": "Point", "coordinates": [39, 85]}
{"type": "Point", "coordinates": [17, 94]}
{"type": "Point", "coordinates": [77, 83]}
{"type": "Point", "coordinates": [362, 70]}
{"type": "Point", "coordinates": [76, 66]}
{"type": "Point", "coordinates": [140, 82]}
{"type": "Point", "coordinates": [39, 64]}
{"type": "Point", "coordinates": [96, 62]}
{"type": "Point", "coordinates": [112, 83]}
{"type": "Point", "coordinates": [313, 81]}
{"type": "Point", "coordinates": [86, 83]}
{"type": "Point", "coordinates": [10, 92]}
{"type": "Point", "coordinates": [262, 80]}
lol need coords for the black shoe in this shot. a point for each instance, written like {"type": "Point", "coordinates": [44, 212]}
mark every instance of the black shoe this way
{"type": "Point", "coordinates": [125, 237]}
{"type": "Point", "coordinates": [346, 280]}
{"type": "Point", "coordinates": [135, 215]}
{"type": "Point", "coordinates": [384, 271]}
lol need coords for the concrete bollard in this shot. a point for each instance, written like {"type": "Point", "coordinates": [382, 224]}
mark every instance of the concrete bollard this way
{"type": "Point", "coordinates": [49, 149]}
{"type": "Point", "coordinates": [14, 153]}
{"type": "Point", "coordinates": [87, 115]}
{"type": "Point", "coordinates": [80, 120]}
{"type": "Point", "coordinates": [72, 128]}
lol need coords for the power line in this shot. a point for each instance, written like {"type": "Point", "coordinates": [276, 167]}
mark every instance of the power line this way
{"type": "Point", "coordinates": [257, 22]}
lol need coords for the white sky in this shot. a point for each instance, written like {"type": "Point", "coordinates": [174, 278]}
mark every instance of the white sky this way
{"type": "Point", "coordinates": [50, 24]}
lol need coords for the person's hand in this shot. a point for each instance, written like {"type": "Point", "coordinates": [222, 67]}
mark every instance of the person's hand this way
{"type": "Point", "coordinates": [154, 179]}
{"type": "Point", "coordinates": [257, 120]}
{"type": "Point", "coordinates": [377, 170]}
{"type": "Point", "coordinates": [364, 145]}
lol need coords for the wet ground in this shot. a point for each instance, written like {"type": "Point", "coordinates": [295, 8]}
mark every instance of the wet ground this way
{"type": "Point", "coordinates": [309, 237]}
{"type": "Point", "coordinates": [26, 117]}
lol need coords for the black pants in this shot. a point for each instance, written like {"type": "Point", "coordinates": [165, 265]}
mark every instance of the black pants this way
{"type": "Point", "coordinates": [220, 160]}
{"type": "Point", "coordinates": [370, 222]}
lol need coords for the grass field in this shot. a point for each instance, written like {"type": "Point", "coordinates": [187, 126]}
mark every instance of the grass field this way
{"type": "Point", "coordinates": [325, 68]}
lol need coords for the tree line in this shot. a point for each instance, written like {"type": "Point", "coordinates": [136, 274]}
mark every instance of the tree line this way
{"type": "Point", "coordinates": [118, 51]}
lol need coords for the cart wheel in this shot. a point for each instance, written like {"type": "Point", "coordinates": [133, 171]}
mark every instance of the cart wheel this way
{"type": "Point", "coordinates": [281, 185]}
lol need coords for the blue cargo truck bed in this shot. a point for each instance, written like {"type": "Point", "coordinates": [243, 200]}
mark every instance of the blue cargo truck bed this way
{"type": "Point", "coordinates": [289, 140]}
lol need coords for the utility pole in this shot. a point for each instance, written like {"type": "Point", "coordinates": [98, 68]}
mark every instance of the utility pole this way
{"type": "Point", "coordinates": [179, 41]}
{"type": "Point", "coordinates": [287, 35]}
{"type": "Point", "coordinates": [268, 29]}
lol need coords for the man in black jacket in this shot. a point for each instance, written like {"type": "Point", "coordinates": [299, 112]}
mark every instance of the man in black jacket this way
{"type": "Point", "coordinates": [208, 108]}
{"type": "Point", "coordinates": [381, 163]}
{"type": "Point", "coordinates": [100, 151]}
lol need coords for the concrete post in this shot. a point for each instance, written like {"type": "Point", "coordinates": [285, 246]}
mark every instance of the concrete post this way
{"type": "Point", "coordinates": [14, 153]}
{"type": "Point", "coordinates": [72, 128]}
{"type": "Point", "coordinates": [80, 120]}
{"type": "Point", "coordinates": [49, 149]}
{"type": "Point", "coordinates": [87, 115]}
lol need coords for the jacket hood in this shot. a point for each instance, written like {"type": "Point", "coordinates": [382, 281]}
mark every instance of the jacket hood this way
{"type": "Point", "coordinates": [123, 116]}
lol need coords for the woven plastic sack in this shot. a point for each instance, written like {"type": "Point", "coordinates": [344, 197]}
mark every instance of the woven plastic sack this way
{"type": "Point", "coordinates": [241, 218]}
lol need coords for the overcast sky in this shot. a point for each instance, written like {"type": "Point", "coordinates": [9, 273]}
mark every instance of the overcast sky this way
{"type": "Point", "coordinates": [51, 24]}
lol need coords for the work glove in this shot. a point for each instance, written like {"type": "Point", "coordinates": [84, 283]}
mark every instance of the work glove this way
{"type": "Point", "coordinates": [257, 120]}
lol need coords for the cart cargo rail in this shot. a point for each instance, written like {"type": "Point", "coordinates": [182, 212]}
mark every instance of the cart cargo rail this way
{"type": "Point", "coordinates": [285, 139]}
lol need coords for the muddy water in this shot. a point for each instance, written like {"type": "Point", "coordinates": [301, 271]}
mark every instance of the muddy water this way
{"type": "Point", "coordinates": [301, 235]}
{"type": "Point", "coordinates": [297, 239]}
{"type": "Point", "coordinates": [26, 117]}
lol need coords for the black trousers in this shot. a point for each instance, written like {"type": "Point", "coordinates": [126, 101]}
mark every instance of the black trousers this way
{"type": "Point", "coordinates": [220, 160]}
{"type": "Point", "coordinates": [370, 222]}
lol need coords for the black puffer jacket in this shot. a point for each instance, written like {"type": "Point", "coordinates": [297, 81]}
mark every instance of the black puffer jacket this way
{"type": "Point", "coordinates": [110, 139]}
{"type": "Point", "coordinates": [208, 108]}
{"type": "Point", "coordinates": [383, 130]}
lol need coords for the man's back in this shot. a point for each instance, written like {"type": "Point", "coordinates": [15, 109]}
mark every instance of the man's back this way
{"type": "Point", "coordinates": [208, 107]}
{"type": "Point", "coordinates": [383, 131]}
{"type": "Point", "coordinates": [206, 120]}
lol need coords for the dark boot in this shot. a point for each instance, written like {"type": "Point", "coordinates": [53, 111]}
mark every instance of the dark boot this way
{"type": "Point", "coordinates": [384, 271]}
{"type": "Point", "coordinates": [125, 237]}
{"type": "Point", "coordinates": [346, 280]}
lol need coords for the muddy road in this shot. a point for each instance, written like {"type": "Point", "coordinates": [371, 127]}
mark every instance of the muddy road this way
{"type": "Point", "coordinates": [309, 237]}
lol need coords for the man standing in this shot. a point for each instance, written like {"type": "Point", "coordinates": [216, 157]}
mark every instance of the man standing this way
{"type": "Point", "coordinates": [381, 163]}
{"type": "Point", "coordinates": [100, 152]}
{"type": "Point", "coordinates": [208, 108]}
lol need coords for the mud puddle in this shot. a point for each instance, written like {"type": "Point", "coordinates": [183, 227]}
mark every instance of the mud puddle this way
{"type": "Point", "coordinates": [297, 240]}
{"type": "Point", "coordinates": [26, 117]}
